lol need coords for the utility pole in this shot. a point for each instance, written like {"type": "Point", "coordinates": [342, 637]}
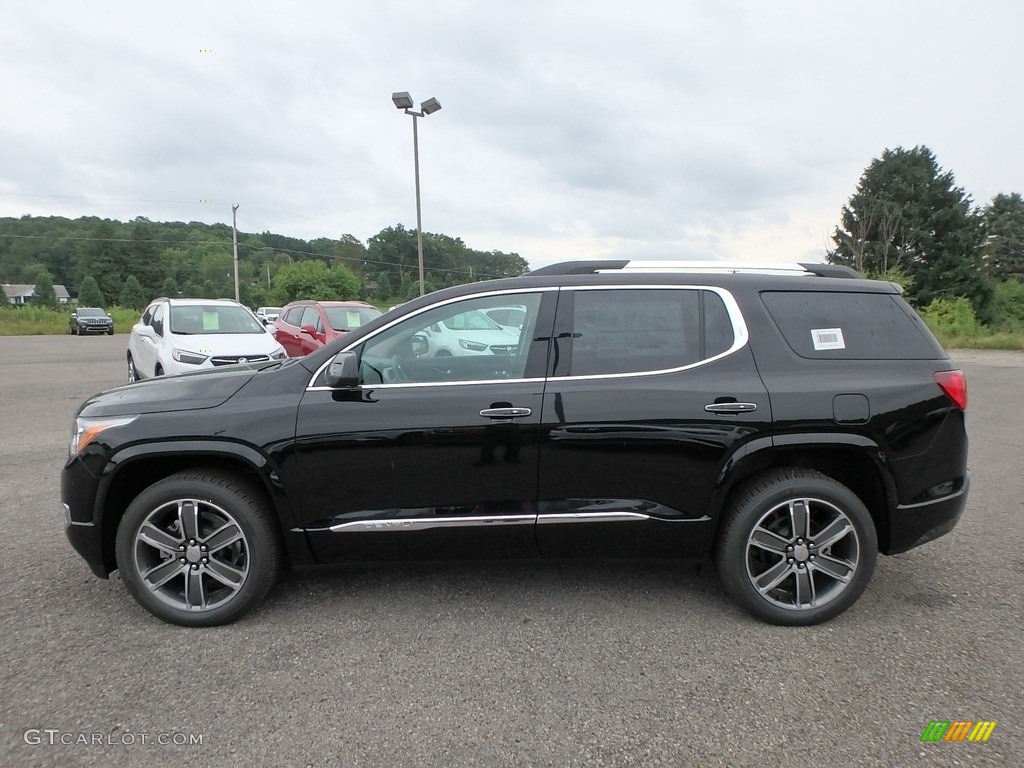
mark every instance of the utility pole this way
{"type": "Point", "coordinates": [234, 243]}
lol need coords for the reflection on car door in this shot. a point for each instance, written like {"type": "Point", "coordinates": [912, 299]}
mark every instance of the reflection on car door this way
{"type": "Point", "coordinates": [444, 451]}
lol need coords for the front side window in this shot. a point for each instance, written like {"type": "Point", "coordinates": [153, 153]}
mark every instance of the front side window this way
{"type": "Point", "coordinates": [158, 320]}
{"type": "Point", "coordinates": [455, 342]}
{"type": "Point", "coordinates": [311, 317]}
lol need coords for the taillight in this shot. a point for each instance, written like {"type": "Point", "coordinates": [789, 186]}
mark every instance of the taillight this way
{"type": "Point", "coordinates": [954, 384]}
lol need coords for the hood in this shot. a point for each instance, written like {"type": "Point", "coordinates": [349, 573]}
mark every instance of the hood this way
{"type": "Point", "coordinates": [227, 345]}
{"type": "Point", "coordinates": [190, 391]}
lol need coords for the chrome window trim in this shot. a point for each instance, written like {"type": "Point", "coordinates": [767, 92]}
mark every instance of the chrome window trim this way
{"type": "Point", "coordinates": [425, 523]}
{"type": "Point", "coordinates": [482, 295]}
{"type": "Point", "coordinates": [739, 328]}
{"type": "Point", "coordinates": [609, 517]}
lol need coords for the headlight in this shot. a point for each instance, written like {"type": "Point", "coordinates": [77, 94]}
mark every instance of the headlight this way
{"type": "Point", "coordinates": [86, 430]}
{"type": "Point", "coordinates": [280, 354]}
{"type": "Point", "coordinates": [191, 358]}
{"type": "Point", "coordinates": [473, 346]}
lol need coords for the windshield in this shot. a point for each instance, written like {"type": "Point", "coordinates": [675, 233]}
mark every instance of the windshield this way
{"type": "Point", "coordinates": [270, 310]}
{"type": "Point", "coordinates": [91, 312]}
{"type": "Point", "coordinates": [213, 318]}
{"type": "Point", "coordinates": [347, 318]}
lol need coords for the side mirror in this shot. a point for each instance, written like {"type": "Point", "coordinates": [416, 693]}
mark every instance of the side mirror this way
{"type": "Point", "coordinates": [343, 371]}
{"type": "Point", "coordinates": [74, 315]}
{"type": "Point", "coordinates": [420, 345]}
{"type": "Point", "coordinates": [309, 330]}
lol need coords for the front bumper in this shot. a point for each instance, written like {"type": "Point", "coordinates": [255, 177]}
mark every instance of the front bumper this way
{"type": "Point", "coordinates": [78, 488]}
{"type": "Point", "coordinates": [912, 525]}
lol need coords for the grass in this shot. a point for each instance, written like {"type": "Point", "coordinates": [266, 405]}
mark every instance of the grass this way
{"type": "Point", "coordinates": [993, 340]}
{"type": "Point", "coordinates": [40, 321]}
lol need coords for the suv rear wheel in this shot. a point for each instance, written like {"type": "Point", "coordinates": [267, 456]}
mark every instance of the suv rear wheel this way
{"type": "Point", "coordinates": [797, 548]}
{"type": "Point", "coordinates": [198, 549]}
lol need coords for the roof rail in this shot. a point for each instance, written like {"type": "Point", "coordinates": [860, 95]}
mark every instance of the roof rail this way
{"type": "Point", "coordinates": [579, 267]}
{"type": "Point", "coordinates": [696, 267]}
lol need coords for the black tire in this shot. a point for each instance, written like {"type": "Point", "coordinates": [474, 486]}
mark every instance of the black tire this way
{"type": "Point", "coordinates": [159, 370]}
{"type": "Point", "coordinates": [110, 332]}
{"type": "Point", "coordinates": [72, 330]}
{"type": "Point", "coordinates": [133, 372]}
{"type": "Point", "coordinates": [198, 548]}
{"type": "Point", "coordinates": [796, 548]}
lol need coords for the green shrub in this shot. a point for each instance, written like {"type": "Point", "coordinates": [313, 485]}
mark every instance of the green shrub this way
{"type": "Point", "coordinates": [952, 317]}
{"type": "Point", "coordinates": [1009, 305]}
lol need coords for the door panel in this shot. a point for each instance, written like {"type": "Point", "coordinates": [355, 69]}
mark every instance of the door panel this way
{"type": "Point", "coordinates": [407, 466]}
{"type": "Point", "coordinates": [628, 461]}
{"type": "Point", "coordinates": [418, 473]}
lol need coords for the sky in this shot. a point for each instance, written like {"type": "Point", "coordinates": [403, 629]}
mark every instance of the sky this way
{"type": "Point", "coordinates": [569, 129]}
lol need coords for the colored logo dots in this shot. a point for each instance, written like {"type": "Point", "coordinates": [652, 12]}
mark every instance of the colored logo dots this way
{"type": "Point", "coordinates": [206, 200]}
{"type": "Point", "coordinates": [206, 50]}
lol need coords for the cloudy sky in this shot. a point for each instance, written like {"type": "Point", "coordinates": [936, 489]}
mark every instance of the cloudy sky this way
{"type": "Point", "coordinates": [569, 129]}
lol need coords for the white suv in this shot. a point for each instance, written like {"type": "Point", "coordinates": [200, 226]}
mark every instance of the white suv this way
{"type": "Point", "coordinates": [267, 315]}
{"type": "Point", "coordinates": [182, 335]}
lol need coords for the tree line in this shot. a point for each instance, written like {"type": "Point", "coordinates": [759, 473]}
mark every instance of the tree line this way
{"type": "Point", "coordinates": [908, 221]}
{"type": "Point", "coordinates": [129, 263]}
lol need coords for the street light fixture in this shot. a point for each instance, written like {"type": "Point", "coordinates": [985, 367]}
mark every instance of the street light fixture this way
{"type": "Point", "coordinates": [402, 100]}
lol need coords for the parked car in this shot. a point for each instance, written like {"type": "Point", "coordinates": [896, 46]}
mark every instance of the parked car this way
{"type": "Point", "coordinates": [468, 333]}
{"type": "Point", "coordinates": [267, 315]}
{"type": "Point", "coordinates": [86, 320]}
{"type": "Point", "coordinates": [305, 326]}
{"type": "Point", "coordinates": [508, 317]}
{"type": "Point", "coordinates": [788, 424]}
{"type": "Point", "coordinates": [185, 335]}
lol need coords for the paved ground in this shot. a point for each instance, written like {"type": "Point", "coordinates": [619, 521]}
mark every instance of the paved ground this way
{"type": "Point", "coordinates": [517, 665]}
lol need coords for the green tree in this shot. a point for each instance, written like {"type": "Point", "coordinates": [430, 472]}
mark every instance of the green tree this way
{"type": "Point", "coordinates": [312, 279]}
{"type": "Point", "coordinates": [132, 296]}
{"type": "Point", "coordinates": [170, 288]}
{"type": "Point", "coordinates": [1004, 236]}
{"type": "Point", "coordinates": [384, 289]}
{"type": "Point", "coordinates": [908, 214]}
{"type": "Point", "coordinates": [44, 295]}
{"type": "Point", "coordinates": [89, 293]}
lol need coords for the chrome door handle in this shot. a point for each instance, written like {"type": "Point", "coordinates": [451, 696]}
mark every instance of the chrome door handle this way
{"type": "Point", "coordinates": [505, 413]}
{"type": "Point", "coordinates": [730, 407]}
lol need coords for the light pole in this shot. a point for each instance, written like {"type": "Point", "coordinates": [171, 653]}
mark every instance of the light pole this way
{"type": "Point", "coordinates": [403, 101]}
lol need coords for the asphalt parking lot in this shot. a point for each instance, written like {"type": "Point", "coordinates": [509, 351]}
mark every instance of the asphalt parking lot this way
{"type": "Point", "coordinates": [502, 665]}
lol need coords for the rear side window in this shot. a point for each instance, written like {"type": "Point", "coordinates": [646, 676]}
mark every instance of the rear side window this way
{"type": "Point", "coordinates": [292, 316]}
{"type": "Point", "coordinates": [636, 330]}
{"type": "Point", "coordinates": [850, 326]}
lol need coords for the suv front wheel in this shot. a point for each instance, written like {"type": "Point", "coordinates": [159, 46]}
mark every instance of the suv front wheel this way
{"type": "Point", "coordinates": [797, 548]}
{"type": "Point", "coordinates": [198, 548]}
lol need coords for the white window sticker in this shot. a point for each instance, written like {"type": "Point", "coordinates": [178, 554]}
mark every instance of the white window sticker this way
{"type": "Point", "coordinates": [828, 338]}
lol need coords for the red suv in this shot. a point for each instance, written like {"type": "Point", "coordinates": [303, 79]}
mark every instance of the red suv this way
{"type": "Point", "coordinates": [305, 326]}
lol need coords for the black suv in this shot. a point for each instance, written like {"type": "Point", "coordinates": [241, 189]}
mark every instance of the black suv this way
{"type": "Point", "coordinates": [789, 422]}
